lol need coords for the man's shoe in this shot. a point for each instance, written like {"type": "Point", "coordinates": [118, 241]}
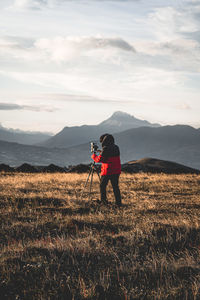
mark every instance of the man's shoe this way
{"type": "Point", "coordinates": [100, 202]}
{"type": "Point", "coordinates": [105, 202]}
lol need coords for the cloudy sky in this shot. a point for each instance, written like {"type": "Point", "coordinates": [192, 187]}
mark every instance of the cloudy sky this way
{"type": "Point", "coordinates": [73, 62]}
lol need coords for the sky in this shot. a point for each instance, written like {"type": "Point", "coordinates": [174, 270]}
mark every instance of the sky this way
{"type": "Point", "coordinates": [74, 62]}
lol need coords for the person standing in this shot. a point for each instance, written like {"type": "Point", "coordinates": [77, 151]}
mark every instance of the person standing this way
{"type": "Point", "coordinates": [110, 168]}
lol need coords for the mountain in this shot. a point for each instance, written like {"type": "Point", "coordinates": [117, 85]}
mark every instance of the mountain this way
{"type": "Point", "coordinates": [153, 165]}
{"type": "Point", "coordinates": [178, 143]}
{"type": "Point", "coordinates": [22, 137]}
{"type": "Point", "coordinates": [72, 136]}
{"type": "Point", "coordinates": [121, 121]}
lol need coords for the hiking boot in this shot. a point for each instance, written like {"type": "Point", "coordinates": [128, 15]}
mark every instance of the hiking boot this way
{"type": "Point", "coordinates": [102, 202]}
{"type": "Point", "coordinates": [105, 202]}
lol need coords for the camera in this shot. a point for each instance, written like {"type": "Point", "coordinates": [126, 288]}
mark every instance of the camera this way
{"type": "Point", "coordinates": [94, 147]}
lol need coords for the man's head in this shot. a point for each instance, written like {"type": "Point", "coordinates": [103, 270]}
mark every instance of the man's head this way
{"type": "Point", "coordinates": [106, 139]}
{"type": "Point", "coordinates": [102, 137]}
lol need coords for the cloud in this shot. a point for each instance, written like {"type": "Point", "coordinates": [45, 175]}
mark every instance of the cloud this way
{"type": "Point", "coordinates": [176, 37]}
{"type": "Point", "coordinates": [174, 22]}
{"type": "Point", "coordinates": [41, 4]}
{"type": "Point", "coordinates": [178, 54]}
{"type": "Point", "coordinates": [78, 98]}
{"type": "Point", "coordinates": [61, 49]}
{"type": "Point", "coordinates": [178, 46]}
{"type": "Point", "coordinates": [184, 106]}
{"type": "Point", "coordinates": [111, 85]}
{"type": "Point", "coordinates": [12, 106]}
{"type": "Point", "coordinates": [90, 52]}
{"type": "Point", "coordinates": [19, 48]}
{"type": "Point", "coordinates": [31, 4]}
{"type": "Point", "coordinates": [65, 48]}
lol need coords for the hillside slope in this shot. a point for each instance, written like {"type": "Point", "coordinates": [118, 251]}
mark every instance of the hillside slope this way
{"type": "Point", "coordinates": [154, 165]}
{"type": "Point", "coordinates": [179, 143]}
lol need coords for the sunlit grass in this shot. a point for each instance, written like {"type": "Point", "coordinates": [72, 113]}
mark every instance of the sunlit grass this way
{"type": "Point", "coordinates": [55, 245]}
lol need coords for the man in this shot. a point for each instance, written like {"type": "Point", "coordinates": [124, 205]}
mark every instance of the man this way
{"type": "Point", "coordinates": [110, 168]}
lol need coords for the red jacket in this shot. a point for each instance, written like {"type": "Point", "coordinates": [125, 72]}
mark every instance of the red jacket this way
{"type": "Point", "coordinates": [110, 156]}
{"type": "Point", "coordinates": [110, 165]}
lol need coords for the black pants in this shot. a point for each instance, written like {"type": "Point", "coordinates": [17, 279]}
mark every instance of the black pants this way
{"type": "Point", "coordinates": [115, 185]}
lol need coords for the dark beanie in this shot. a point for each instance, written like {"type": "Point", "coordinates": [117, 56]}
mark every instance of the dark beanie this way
{"type": "Point", "coordinates": [107, 140]}
{"type": "Point", "coordinates": [102, 137]}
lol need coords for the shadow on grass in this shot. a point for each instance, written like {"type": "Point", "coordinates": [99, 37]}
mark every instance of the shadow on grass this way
{"type": "Point", "coordinates": [102, 226]}
{"type": "Point", "coordinates": [86, 208]}
{"type": "Point", "coordinates": [168, 238]}
{"type": "Point", "coordinates": [157, 211]}
{"type": "Point", "coordinates": [51, 229]}
{"type": "Point", "coordinates": [66, 211]}
{"type": "Point", "coordinates": [58, 274]}
{"type": "Point", "coordinates": [42, 273]}
{"type": "Point", "coordinates": [189, 205]}
{"type": "Point", "coordinates": [38, 201]}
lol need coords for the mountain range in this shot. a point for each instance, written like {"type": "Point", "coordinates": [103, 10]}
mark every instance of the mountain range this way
{"type": "Point", "coordinates": [179, 143]}
{"type": "Point", "coordinates": [76, 135]}
{"type": "Point", "coordinates": [23, 137]}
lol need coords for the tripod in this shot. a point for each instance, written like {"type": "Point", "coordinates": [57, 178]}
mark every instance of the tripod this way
{"type": "Point", "coordinates": [93, 168]}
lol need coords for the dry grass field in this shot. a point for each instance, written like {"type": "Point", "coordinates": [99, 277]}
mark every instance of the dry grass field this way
{"type": "Point", "coordinates": [53, 245]}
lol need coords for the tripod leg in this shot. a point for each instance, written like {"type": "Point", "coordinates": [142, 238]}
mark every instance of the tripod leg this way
{"type": "Point", "coordinates": [86, 182]}
{"type": "Point", "coordinates": [91, 182]}
{"type": "Point", "coordinates": [98, 173]}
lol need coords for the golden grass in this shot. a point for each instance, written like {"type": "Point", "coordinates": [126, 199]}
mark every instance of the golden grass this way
{"type": "Point", "coordinates": [56, 246]}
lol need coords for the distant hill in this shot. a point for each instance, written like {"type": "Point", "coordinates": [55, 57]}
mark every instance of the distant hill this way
{"type": "Point", "coordinates": [178, 143]}
{"type": "Point", "coordinates": [15, 154]}
{"type": "Point", "coordinates": [153, 165]}
{"type": "Point", "coordinates": [150, 165]}
{"type": "Point", "coordinates": [76, 135]}
{"type": "Point", "coordinates": [22, 137]}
